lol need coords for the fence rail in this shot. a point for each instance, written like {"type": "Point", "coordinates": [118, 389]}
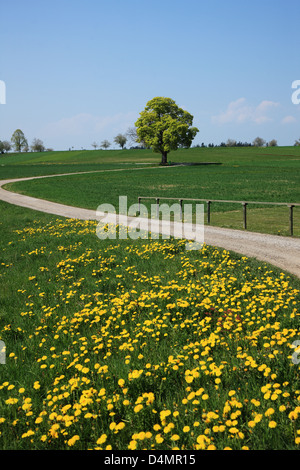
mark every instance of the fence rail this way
{"type": "Point", "coordinates": [210, 201]}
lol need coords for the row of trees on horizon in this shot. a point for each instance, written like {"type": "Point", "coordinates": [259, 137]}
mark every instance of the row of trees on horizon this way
{"type": "Point", "coordinates": [121, 140]}
{"type": "Point", "coordinates": [19, 143]}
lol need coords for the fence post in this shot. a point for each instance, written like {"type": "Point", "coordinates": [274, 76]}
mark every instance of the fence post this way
{"type": "Point", "coordinates": [208, 212]}
{"type": "Point", "coordinates": [139, 199]}
{"type": "Point", "coordinates": [245, 214]}
{"type": "Point", "coordinates": [181, 212]}
{"type": "Point", "coordinates": [291, 220]}
{"type": "Point", "coordinates": [157, 208]}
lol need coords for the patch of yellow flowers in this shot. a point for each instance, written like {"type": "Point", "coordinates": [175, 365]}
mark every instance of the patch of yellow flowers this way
{"type": "Point", "coordinates": [123, 358]}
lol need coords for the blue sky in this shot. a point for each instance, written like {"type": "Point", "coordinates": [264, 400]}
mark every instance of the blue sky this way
{"type": "Point", "coordinates": [81, 71]}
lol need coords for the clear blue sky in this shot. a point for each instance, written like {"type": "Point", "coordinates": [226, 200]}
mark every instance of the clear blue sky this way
{"type": "Point", "coordinates": [81, 71]}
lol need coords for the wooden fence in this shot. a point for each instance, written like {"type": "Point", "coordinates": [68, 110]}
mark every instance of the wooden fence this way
{"type": "Point", "coordinates": [210, 201]}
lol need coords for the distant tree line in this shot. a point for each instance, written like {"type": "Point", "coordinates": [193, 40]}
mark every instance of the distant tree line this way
{"type": "Point", "coordinates": [257, 142]}
{"type": "Point", "coordinates": [19, 143]}
{"type": "Point", "coordinates": [131, 136]}
{"type": "Point", "coordinates": [121, 140]}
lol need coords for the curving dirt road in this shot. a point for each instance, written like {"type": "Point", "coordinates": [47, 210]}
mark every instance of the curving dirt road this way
{"type": "Point", "coordinates": [283, 252]}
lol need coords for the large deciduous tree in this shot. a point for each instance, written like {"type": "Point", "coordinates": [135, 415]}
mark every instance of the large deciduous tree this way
{"type": "Point", "coordinates": [18, 140]}
{"type": "Point", "coordinates": [121, 140]}
{"type": "Point", "coordinates": [37, 145]}
{"type": "Point", "coordinates": [259, 142]}
{"type": "Point", "coordinates": [164, 126]}
{"type": "Point", "coordinates": [105, 144]}
{"type": "Point", "coordinates": [4, 146]}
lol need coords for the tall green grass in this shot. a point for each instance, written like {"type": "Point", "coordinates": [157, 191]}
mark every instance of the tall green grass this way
{"type": "Point", "coordinates": [141, 344]}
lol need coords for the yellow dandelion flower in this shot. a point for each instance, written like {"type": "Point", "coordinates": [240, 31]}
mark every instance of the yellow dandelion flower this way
{"type": "Point", "coordinates": [293, 415]}
{"type": "Point", "coordinates": [258, 418]}
{"type": "Point", "coordinates": [272, 424]}
{"type": "Point", "coordinates": [159, 439]}
{"type": "Point", "coordinates": [28, 434]}
{"type": "Point", "coordinates": [233, 430]}
{"type": "Point", "coordinates": [73, 440]}
{"type": "Point", "coordinates": [189, 379]}
{"type": "Point", "coordinates": [11, 401]}
{"type": "Point", "coordinates": [120, 426]}
{"type": "Point", "coordinates": [102, 439]}
{"type": "Point", "coordinates": [269, 412]}
{"type": "Point", "coordinates": [163, 414]}
{"type": "Point", "coordinates": [138, 408]}
{"type": "Point", "coordinates": [132, 445]}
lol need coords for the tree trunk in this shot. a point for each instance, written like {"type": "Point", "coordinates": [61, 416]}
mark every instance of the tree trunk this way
{"type": "Point", "coordinates": [164, 158]}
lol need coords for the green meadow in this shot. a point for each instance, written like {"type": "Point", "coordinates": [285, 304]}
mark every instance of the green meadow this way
{"type": "Point", "coordinates": [143, 344]}
{"type": "Point", "coordinates": [132, 345]}
{"type": "Point", "coordinates": [239, 174]}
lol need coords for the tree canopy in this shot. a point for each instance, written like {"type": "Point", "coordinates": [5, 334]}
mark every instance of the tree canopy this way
{"type": "Point", "coordinates": [121, 140]}
{"type": "Point", "coordinates": [37, 145]}
{"type": "Point", "coordinates": [259, 142]}
{"type": "Point", "coordinates": [105, 144]}
{"type": "Point", "coordinates": [164, 126]}
{"type": "Point", "coordinates": [19, 141]}
{"type": "Point", "coordinates": [4, 146]}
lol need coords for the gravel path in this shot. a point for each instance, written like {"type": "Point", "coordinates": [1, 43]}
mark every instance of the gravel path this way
{"type": "Point", "coordinates": [283, 252]}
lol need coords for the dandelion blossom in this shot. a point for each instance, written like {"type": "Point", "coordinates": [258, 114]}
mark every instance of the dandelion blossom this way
{"type": "Point", "coordinates": [73, 439]}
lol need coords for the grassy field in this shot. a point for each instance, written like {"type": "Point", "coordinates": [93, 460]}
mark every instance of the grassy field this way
{"type": "Point", "coordinates": [141, 344]}
{"type": "Point", "coordinates": [232, 155]}
{"type": "Point", "coordinates": [107, 350]}
{"type": "Point", "coordinates": [242, 174]}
